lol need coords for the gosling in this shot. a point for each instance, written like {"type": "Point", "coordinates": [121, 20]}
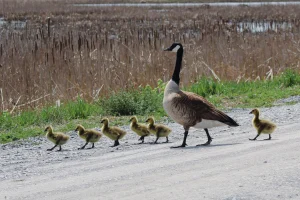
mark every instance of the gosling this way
{"type": "Point", "coordinates": [113, 133]}
{"type": "Point", "coordinates": [57, 138]}
{"type": "Point", "coordinates": [158, 130]}
{"type": "Point", "coordinates": [261, 125]}
{"type": "Point", "coordinates": [139, 129]}
{"type": "Point", "coordinates": [88, 135]}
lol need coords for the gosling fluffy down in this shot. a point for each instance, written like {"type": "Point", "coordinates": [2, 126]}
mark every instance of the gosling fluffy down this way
{"type": "Point", "coordinates": [88, 135]}
{"type": "Point", "coordinates": [57, 138]}
{"type": "Point", "coordinates": [113, 133]}
{"type": "Point", "coordinates": [261, 125]}
{"type": "Point", "coordinates": [139, 129]}
{"type": "Point", "coordinates": [158, 130]}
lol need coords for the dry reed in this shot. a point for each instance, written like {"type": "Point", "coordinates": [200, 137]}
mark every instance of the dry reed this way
{"type": "Point", "coordinates": [90, 52]}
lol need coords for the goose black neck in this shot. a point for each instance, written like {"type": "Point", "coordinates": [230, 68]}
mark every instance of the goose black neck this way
{"type": "Point", "coordinates": [178, 64]}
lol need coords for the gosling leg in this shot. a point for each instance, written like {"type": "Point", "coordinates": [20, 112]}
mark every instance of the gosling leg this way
{"type": "Point", "coordinates": [59, 148]}
{"type": "Point", "coordinates": [54, 146]}
{"type": "Point", "coordinates": [255, 137]}
{"type": "Point", "coordinates": [157, 137]}
{"type": "Point", "coordinates": [93, 145]}
{"type": "Point", "coordinates": [83, 146]}
{"type": "Point", "coordinates": [142, 139]}
{"type": "Point", "coordinates": [269, 137]}
{"type": "Point", "coordinates": [116, 143]}
{"type": "Point", "coordinates": [209, 139]}
{"type": "Point", "coordinates": [184, 140]}
{"type": "Point", "coordinates": [167, 140]}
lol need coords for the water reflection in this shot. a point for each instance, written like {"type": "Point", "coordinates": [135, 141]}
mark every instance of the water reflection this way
{"type": "Point", "coordinates": [12, 24]}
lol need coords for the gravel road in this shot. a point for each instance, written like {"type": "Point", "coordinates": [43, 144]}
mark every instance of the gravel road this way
{"type": "Point", "coordinates": [232, 167]}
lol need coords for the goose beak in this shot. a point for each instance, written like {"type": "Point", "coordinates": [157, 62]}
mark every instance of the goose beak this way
{"type": "Point", "coordinates": [167, 49]}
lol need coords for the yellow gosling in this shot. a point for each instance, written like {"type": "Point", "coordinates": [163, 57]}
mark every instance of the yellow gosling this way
{"type": "Point", "coordinates": [57, 138]}
{"type": "Point", "coordinates": [88, 135]}
{"type": "Point", "coordinates": [158, 130]}
{"type": "Point", "coordinates": [261, 125]}
{"type": "Point", "coordinates": [113, 133]}
{"type": "Point", "coordinates": [139, 129]}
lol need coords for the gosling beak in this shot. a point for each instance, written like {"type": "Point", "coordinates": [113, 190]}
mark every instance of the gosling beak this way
{"type": "Point", "coordinates": [45, 130]}
{"type": "Point", "coordinates": [251, 112]}
{"type": "Point", "coordinates": [102, 121]}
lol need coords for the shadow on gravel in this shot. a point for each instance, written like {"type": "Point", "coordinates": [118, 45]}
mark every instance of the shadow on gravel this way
{"type": "Point", "coordinates": [209, 146]}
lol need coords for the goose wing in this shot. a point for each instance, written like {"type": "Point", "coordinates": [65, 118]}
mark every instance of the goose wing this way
{"type": "Point", "coordinates": [198, 108]}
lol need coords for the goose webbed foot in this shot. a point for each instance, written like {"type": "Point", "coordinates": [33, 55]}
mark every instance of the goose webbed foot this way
{"type": "Point", "coordinates": [206, 143]}
{"type": "Point", "coordinates": [49, 149]}
{"type": "Point", "coordinates": [181, 146]}
{"type": "Point", "coordinates": [252, 139]}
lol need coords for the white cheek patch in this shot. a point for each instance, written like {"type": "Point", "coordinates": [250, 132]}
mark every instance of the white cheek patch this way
{"type": "Point", "coordinates": [176, 48]}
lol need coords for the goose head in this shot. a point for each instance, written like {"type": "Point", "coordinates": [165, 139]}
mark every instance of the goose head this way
{"type": "Point", "coordinates": [174, 47]}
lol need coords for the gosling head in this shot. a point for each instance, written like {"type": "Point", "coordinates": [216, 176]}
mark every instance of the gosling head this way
{"type": "Point", "coordinates": [79, 128]}
{"type": "Point", "coordinates": [150, 120]}
{"type": "Point", "coordinates": [48, 129]}
{"type": "Point", "coordinates": [255, 112]}
{"type": "Point", "coordinates": [174, 47]}
{"type": "Point", "coordinates": [133, 119]}
{"type": "Point", "coordinates": [104, 121]}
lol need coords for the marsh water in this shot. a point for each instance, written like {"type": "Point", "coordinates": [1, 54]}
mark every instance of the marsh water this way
{"type": "Point", "coordinates": [190, 4]}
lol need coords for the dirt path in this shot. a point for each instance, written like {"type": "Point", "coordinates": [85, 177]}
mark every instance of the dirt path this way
{"type": "Point", "coordinates": [231, 168]}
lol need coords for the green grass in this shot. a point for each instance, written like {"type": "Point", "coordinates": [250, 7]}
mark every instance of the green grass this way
{"type": "Point", "coordinates": [143, 102]}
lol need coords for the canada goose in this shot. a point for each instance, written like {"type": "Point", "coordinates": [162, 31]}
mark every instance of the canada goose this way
{"type": "Point", "coordinates": [88, 135]}
{"type": "Point", "coordinates": [158, 130]}
{"type": "Point", "coordinates": [189, 109]}
{"type": "Point", "coordinates": [57, 138]}
{"type": "Point", "coordinates": [139, 129]}
{"type": "Point", "coordinates": [261, 125]}
{"type": "Point", "coordinates": [113, 133]}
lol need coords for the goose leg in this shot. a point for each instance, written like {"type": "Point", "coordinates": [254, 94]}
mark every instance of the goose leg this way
{"type": "Point", "coordinates": [269, 137]}
{"type": "Point", "coordinates": [209, 139]}
{"type": "Point", "coordinates": [184, 140]}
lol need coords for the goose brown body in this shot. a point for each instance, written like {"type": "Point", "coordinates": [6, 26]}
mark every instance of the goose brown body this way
{"type": "Point", "coordinates": [262, 125]}
{"type": "Point", "coordinates": [139, 129]}
{"type": "Point", "coordinates": [114, 133]}
{"type": "Point", "coordinates": [189, 109]}
{"type": "Point", "coordinates": [159, 130]}
{"type": "Point", "coordinates": [58, 138]}
{"type": "Point", "coordinates": [89, 135]}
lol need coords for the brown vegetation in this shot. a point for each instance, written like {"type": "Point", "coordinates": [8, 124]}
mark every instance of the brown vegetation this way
{"type": "Point", "coordinates": [92, 51]}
